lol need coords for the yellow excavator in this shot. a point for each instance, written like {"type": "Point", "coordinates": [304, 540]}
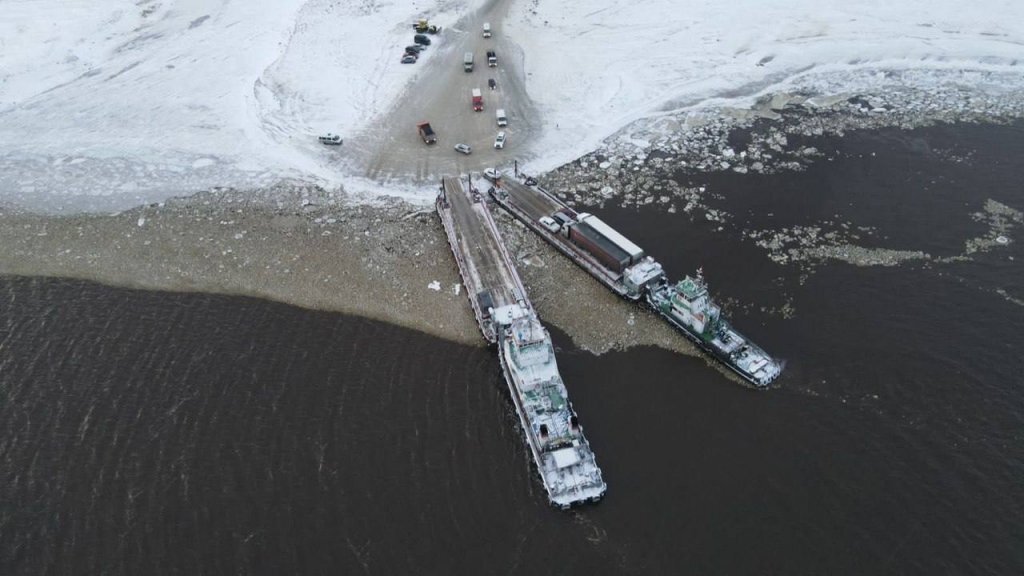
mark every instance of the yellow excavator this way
{"type": "Point", "coordinates": [422, 26]}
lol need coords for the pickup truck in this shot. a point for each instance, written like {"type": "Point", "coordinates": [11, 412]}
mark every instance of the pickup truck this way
{"type": "Point", "coordinates": [492, 58]}
{"type": "Point", "coordinates": [426, 132]}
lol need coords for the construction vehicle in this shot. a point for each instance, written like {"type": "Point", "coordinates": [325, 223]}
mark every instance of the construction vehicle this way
{"type": "Point", "coordinates": [423, 26]}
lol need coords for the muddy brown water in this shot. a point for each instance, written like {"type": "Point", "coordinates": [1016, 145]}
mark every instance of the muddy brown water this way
{"type": "Point", "coordinates": [160, 433]}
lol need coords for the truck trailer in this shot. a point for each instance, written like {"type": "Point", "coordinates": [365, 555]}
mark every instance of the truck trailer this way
{"type": "Point", "coordinates": [603, 250]}
{"type": "Point", "coordinates": [636, 253]}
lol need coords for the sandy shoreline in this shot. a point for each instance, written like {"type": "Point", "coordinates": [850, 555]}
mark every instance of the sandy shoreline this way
{"type": "Point", "coordinates": [312, 248]}
{"type": "Point", "coordinates": [303, 245]}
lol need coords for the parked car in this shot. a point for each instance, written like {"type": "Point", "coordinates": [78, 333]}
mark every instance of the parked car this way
{"type": "Point", "coordinates": [550, 224]}
{"type": "Point", "coordinates": [415, 48]}
{"type": "Point", "coordinates": [421, 39]}
{"type": "Point", "coordinates": [330, 139]}
{"type": "Point", "coordinates": [408, 59]}
{"type": "Point", "coordinates": [464, 148]}
{"type": "Point", "coordinates": [499, 140]}
{"type": "Point", "coordinates": [415, 53]}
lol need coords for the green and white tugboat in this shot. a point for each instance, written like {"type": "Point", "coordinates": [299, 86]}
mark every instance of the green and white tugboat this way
{"type": "Point", "coordinates": [688, 307]}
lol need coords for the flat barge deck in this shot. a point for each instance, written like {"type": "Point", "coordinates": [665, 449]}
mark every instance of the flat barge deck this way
{"type": "Point", "coordinates": [492, 283]}
{"type": "Point", "coordinates": [530, 204]}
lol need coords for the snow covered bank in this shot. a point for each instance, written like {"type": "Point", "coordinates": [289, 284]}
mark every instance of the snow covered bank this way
{"type": "Point", "coordinates": [114, 98]}
{"type": "Point", "coordinates": [594, 66]}
{"type": "Point", "coordinates": [109, 103]}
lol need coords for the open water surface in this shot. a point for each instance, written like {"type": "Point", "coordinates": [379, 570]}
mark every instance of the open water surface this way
{"type": "Point", "coordinates": [158, 433]}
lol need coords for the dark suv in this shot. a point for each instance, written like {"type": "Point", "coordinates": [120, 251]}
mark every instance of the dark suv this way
{"type": "Point", "coordinates": [421, 39]}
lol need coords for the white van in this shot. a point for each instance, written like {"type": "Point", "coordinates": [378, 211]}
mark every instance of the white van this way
{"type": "Point", "coordinates": [499, 114]}
{"type": "Point", "coordinates": [487, 29]}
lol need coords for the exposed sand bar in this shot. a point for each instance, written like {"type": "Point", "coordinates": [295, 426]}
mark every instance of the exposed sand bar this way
{"type": "Point", "coordinates": [313, 248]}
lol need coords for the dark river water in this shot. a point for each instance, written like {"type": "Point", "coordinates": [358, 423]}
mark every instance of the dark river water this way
{"type": "Point", "coordinates": [156, 433]}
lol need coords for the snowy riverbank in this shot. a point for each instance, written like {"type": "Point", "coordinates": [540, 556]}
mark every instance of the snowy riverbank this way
{"type": "Point", "coordinates": [105, 105]}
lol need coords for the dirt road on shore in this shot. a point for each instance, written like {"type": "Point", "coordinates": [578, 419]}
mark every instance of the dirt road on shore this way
{"type": "Point", "coordinates": [391, 149]}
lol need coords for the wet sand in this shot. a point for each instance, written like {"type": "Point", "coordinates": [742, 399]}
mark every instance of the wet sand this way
{"type": "Point", "coordinates": [316, 249]}
{"type": "Point", "coordinates": [320, 249]}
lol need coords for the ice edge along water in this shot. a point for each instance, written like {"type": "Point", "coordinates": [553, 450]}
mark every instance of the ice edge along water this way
{"type": "Point", "coordinates": [138, 103]}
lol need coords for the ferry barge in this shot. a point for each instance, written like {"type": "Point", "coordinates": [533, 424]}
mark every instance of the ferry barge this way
{"type": "Point", "coordinates": [627, 270]}
{"type": "Point", "coordinates": [566, 464]}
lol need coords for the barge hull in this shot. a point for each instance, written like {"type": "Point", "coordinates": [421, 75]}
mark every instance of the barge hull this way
{"type": "Point", "coordinates": [578, 257]}
{"type": "Point", "coordinates": [472, 290]}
